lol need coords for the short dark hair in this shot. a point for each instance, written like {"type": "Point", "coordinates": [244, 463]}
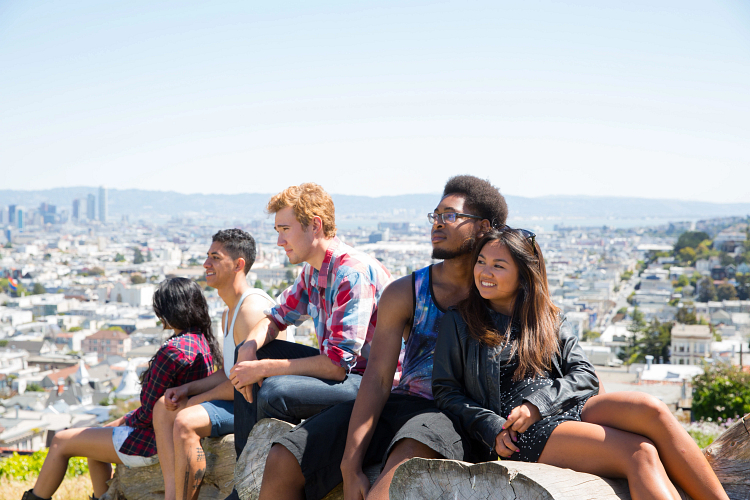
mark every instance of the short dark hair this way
{"type": "Point", "coordinates": [480, 197]}
{"type": "Point", "coordinates": [238, 243]}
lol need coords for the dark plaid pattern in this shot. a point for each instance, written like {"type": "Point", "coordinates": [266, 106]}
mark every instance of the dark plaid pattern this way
{"type": "Point", "coordinates": [180, 360]}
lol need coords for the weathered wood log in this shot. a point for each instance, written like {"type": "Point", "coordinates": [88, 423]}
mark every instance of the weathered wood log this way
{"type": "Point", "coordinates": [252, 462]}
{"type": "Point", "coordinates": [147, 483]}
{"type": "Point", "coordinates": [729, 457]}
{"type": "Point", "coordinates": [418, 478]}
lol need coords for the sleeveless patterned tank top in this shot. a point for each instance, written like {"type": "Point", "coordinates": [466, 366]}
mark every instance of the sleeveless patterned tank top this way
{"type": "Point", "coordinates": [416, 376]}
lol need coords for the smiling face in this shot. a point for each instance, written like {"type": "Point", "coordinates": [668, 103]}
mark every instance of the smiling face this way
{"type": "Point", "coordinates": [450, 240]}
{"type": "Point", "coordinates": [496, 276]}
{"type": "Point", "coordinates": [296, 240]}
{"type": "Point", "coordinates": [220, 267]}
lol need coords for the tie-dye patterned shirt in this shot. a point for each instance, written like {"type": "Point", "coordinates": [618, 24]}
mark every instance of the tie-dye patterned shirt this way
{"type": "Point", "coordinates": [416, 375]}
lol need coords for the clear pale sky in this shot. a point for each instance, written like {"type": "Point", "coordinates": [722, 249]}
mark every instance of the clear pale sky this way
{"type": "Point", "coordinates": [637, 98]}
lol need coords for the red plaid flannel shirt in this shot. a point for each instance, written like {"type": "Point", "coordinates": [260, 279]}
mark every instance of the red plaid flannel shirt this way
{"type": "Point", "coordinates": [180, 360]}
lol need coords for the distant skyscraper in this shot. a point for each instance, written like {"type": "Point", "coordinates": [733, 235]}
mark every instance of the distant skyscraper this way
{"type": "Point", "coordinates": [76, 209]}
{"type": "Point", "coordinates": [3, 216]}
{"type": "Point", "coordinates": [103, 204]}
{"type": "Point", "coordinates": [91, 207]}
{"type": "Point", "coordinates": [19, 218]}
{"type": "Point", "coordinates": [11, 214]}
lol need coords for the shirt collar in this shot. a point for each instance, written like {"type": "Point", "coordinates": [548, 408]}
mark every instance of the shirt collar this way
{"type": "Point", "coordinates": [328, 263]}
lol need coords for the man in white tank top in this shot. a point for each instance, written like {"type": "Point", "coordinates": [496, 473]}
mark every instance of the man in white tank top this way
{"type": "Point", "coordinates": [206, 407]}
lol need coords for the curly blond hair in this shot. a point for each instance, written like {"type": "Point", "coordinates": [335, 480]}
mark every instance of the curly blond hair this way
{"type": "Point", "coordinates": [307, 201]}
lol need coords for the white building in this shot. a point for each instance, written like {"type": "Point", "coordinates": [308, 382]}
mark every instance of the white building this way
{"type": "Point", "coordinates": [691, 344]}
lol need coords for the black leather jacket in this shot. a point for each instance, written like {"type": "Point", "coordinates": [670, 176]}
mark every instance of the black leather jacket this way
{"type": "Point", "coordinates": [464, 370]}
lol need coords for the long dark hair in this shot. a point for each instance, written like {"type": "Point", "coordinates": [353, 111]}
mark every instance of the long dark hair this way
{"type": "Point", "coordinates": [179, 304]}
{"type": "Point", "coordinates": [534, 314]}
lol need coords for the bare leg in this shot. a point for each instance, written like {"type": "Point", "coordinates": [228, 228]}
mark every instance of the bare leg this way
{"type": "Point", "coordinates": [287, 481]}
{"type": "Point", "coordinates": [610, 452]}
{"type": "Point", "coordinates": [95, 443]}
{"type": "Point", "coordinates": [163, 422]}
{"type": "Point", "coordinates": [645, 415]}
{"type": "Point", "coordinates": [401, 452]}
{"type": "Point", "coordinates": [191, 424]}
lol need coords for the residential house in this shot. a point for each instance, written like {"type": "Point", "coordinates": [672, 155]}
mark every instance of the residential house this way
{"type": "Point", "coordinates": [691, 344]}
{"type": "Point", "coordinates": [105, 342]}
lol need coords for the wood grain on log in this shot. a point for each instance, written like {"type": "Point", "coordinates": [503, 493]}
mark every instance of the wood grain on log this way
{"type": "Point", "coordinates": [252, 462]}
{"type": "Point", "coordinates": [147, 483]}
{"type": "Point", "coordinates": [729, 457]}
{"type": "Point", "coordinates": [419, 478]}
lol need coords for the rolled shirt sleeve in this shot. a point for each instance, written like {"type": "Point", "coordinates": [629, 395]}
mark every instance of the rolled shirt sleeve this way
{"type": "Point", "coordinates": [293, 303]}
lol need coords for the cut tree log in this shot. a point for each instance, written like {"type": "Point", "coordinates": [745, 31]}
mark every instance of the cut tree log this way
{"type": "Point", "coordinates": [419, 478]}
{"type": "Point", "coordinates": [729, 457]}
{"type": "Point", "coordinates": [252, 461]}
{"type": "Point", "coordinates": [248, 472]}
{"type": "Point", "coordinates": [147, 483]}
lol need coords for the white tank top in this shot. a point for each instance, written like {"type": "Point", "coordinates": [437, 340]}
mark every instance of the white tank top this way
{"type": "Point", "coordinates": [229, 344]}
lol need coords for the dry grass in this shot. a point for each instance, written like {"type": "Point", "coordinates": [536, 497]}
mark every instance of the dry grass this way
{"type": "Point", "coordinates": [78, 488]}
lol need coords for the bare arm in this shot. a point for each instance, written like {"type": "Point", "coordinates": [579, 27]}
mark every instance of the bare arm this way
{"type": "Point", "coordinates": [394, 314]}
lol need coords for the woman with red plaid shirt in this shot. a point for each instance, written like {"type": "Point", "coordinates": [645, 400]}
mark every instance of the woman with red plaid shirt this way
{"type": "Point", "coordinates": [187, 355]}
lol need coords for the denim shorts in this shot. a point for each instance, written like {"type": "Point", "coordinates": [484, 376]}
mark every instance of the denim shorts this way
{"type": "Point", "coordinates": [119, 435]}
{"type": "Point", "coordinates": [221, 414]}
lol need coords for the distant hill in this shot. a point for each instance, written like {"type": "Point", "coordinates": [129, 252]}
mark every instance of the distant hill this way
{"type": "Point", "coordinates": [136, 202]}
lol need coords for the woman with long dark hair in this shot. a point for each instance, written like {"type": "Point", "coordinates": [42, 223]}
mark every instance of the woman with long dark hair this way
{"type": "Point", "coordinates": [506, 368]}
{"type": "Point", "coordinates": [187, 355]}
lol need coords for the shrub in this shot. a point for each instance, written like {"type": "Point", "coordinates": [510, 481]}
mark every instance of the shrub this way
{"type": "Point", "coordinates": [24, 467]}
{"type": "Point", "coordinates": [720, 393]}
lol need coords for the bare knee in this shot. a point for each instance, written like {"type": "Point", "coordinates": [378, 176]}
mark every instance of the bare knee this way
{"type": "Point", "coordinates": [650, 408]}
{"type": "Point", "coordinates": [285, 465]}
{"type": "Point", "coordinates": [643, 456]}
{"type": "Point", "coordinates": [159, 410]}
{"type": "Point", "coordinates": [184, 427]}
{"type": "Point", "coordinates": [60, 442]}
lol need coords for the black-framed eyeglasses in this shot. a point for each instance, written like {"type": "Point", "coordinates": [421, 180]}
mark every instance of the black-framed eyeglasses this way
{"type": "Point", "coordinates": [529, 235]}
{"type": "Point", "coordinates": [449, 217]}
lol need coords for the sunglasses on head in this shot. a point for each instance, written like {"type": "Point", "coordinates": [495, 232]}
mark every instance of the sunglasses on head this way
{"type": "Point", "coordinates": [529, 235]}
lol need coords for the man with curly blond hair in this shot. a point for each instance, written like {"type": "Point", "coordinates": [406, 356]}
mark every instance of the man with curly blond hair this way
{"type": "Point", "coordinates": [339, 288]}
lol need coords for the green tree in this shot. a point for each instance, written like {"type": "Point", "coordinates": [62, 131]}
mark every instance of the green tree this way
{"type": "Point", "coordinates": [683, 281]}
{"type": "Point", "coordinates": [34, 387]}
{"type": "Point", "coordinates": [258, 285]}
{"type": "Point", "coordinates": [686, 316]}
{"type": "Point", "coordinates": [687, 255]}
{"type": "Point", "coordinates": [725, 291]}
{"type": "Point", "coordinates": [137, 278]}
{"type": "Point", "coordinates": [655, 340]}
{"type": "Point", "coordinates": [8, 245]}
{"type": "Point", "coordinates": [629, 353]}
{"type": "Point", "coordinates": [721, 392]}
{"type": "Point", "coordinates": [119, 257]}
{"type": "Point", "coordinates": [589, 335]}
{"type": "Point", "coordinates": [138, 258]}
{"type": "Point", "coordinates": [38, 289]}
{"type": "Point", "coordinates": [708, 290]}
{"type": "Point", "coordinates": [149, 256]}
{"type": "Point", "coordinates": [690, 239]}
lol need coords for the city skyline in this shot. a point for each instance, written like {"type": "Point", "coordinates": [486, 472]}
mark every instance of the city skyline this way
{"type": "Point", "coordinates": [636, 100]}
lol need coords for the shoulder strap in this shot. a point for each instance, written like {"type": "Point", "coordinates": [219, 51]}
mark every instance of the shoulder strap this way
{"type": "Point", "coordinates": [237, 309]}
